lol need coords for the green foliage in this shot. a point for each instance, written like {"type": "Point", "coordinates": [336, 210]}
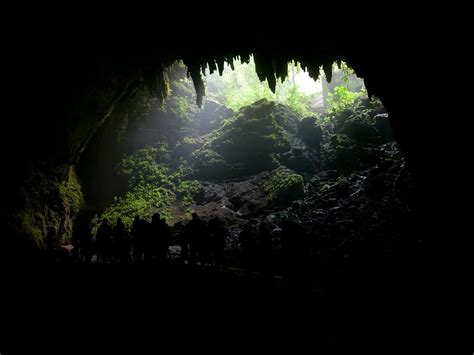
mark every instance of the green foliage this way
{"type": "Point", "coordinates": [153, 187]}
{"type": "Point", "coordinates": [341, 99]}
{"type": "Point", "coordinates": [248, 142]}
{"type": "Point", "coordinates": [140, 168]}
{"type": "Point", "coordinates": [284, 186]}
{"type": "Point", "coordinates": [189, 191]}
{"type": "Point", "coordinates": [341, 184]}
{"type": "Point", "coordinates": [211, 165]}
{"type": "Point", "coordinates": [143, 200]}
{"type": "Point", "coordinates": [254, 132]}
{"type": "Point", "coordinates": [189, 140]}
{"type": "Point", "coordinates": [70, 191]}
{"type": "Point", "coordinates": [180, 106]}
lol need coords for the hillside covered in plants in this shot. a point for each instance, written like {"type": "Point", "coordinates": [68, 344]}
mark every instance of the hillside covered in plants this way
{"type": "Point", "coordinates": [326, 160]}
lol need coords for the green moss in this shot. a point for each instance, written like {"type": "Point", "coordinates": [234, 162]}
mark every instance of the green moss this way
{"type": "Point", "coordinates": [144, 200]}
{"type": "Point", "coordinates": [250, 139]}
{"type": "Point", "coordinates": [190, 191]}
{"type": "Point", "coordinates": [153, 187]}
{"type": "Point", "coordinates": [71, 193]}
{"type": "Point", "coordinates": [284, 186]}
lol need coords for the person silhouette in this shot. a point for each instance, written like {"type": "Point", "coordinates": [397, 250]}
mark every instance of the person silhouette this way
{"type": "Point", "coordinates": [195, 228]}
{"type": "Point", "coordinates": [248, 246]}
{"type": "Point", "coordinates": [138, 238]}
{"type": "Point", "coordinates": [152, 243]}
{"type": "Point", "coordinates": [219, 234]}
{"type": "Point", "coordinates": [265, 247]}
{"type": "Point", "coordinates": [103, 241]}
{"type": "Point", "coordinates": [164, 239]}
{"type": "Point", "coordinates": [121, 242]}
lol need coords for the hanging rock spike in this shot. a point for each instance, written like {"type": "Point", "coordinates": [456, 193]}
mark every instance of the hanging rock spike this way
{"type": "Point", "coordinates": [245, 58]}
{"type": "Point", "coordinates": [230, 61]}
{"type": "Point", "coordinates": [220, 65]}
{"type": "Point", "coordinates": [327, 67]}
{"type": "Point", "coordinates": [314, 71]}
{"type": "Point", "coordinates": [195, 73]}
{"type": "Point", "coordinates": [212, 66]}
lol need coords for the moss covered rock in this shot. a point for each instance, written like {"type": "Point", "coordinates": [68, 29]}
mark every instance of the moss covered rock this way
{"type": "Point", "coordinates": [284, 186]}
{"type": "Point", "coordinates": [310, 132]}
{"type": "Point", "coordinates": [250, 140]}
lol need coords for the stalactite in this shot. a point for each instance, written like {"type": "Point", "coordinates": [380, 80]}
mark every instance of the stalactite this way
{"type": "Point", "coordinates": [195, 73]}
{"type": "Point", "coordinates": [230, 61]}
{"type": "Point", "coordinates": [220, 65]}
{"type": "Point", "coordinates": [272, 82]}
{"type": "Point", "coordinates": [281, 69]}
{"type": "Point", "coordinates": [245, 58]}
{"type": "Point", "coordinates": [314, 71]}
{"type": "Point", "coordinates": [212, 66]}
{"type": "Point", "coordinates": [327, 67]}
{"type": "Point", "coordinates": [259, 66]}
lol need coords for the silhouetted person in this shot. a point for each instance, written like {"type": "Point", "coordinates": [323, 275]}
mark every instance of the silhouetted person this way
{"type": "Point", "coordinates": [218, 234]}
{"type": "Point", "coordinates": [152, 244]}
{"type": "Point", "coordinates": [104, 241]}
{"type": "Point", "coordinates": [196, 229]}
{"type": "Point", "coordinates": [248, 246]}
{"type": "Point", "coordinates": [183, 241]}
{"type": "Point", "coordinates": [138, 238]}
{"type": "Point", "coordinates": [265, 247]}
{"type": "Point", "coordinates": [205, 246]}
{"type": "Point", "coordinates": [164, 239]}
{"type": "Point", "coordinates": [121, 242]}
{"type": "Point", "coordinates": [86, 243]}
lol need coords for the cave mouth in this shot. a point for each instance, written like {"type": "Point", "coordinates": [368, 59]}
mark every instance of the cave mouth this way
{"type": "Point", "coordinates": [312, 159]}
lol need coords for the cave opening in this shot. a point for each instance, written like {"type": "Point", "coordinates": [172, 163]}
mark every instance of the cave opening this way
{"type": "Point", "coordinates": [314, 156]}
{"type": "Point", "coordinates": [350, 185]}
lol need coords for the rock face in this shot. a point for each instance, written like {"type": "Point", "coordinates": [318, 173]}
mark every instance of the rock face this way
{"type": "Point", "coordinates": [247, 143]}
{"type": "Point", "coordinates": [267, 161]}
{"type": "Point", "coordinates": [344, 180]}
{"type": "Point", "coordinates": [254, 195]}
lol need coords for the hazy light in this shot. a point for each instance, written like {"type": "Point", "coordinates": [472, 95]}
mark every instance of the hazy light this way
{"type": "Point", "coordinates": [307, 84]}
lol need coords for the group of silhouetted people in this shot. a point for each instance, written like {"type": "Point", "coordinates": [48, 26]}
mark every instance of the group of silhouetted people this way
{"type": "Point", "coordinates": [201, 243]}
{"type": "Point", "coordinates": [147, 242]}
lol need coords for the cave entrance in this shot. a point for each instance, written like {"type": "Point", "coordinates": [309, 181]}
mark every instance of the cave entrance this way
{"type": "Point", "coordinates": [315, 153]}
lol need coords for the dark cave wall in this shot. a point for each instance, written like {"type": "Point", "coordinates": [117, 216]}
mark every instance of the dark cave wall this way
{"type": "Point", "coordinates": [41, 190]}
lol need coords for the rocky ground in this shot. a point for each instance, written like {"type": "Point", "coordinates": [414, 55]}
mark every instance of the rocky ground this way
{"type": "Point", "coordinates": [342, 178]}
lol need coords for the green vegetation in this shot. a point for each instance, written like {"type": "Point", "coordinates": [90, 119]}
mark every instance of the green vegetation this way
{"type": "Point", "coordinates": [70, 191]}
{"type": "Point", "coordinates": [341, 99]}
{"type": "Point", "coordinates": [284, 186]}
{"type": "Point", "coordinates": [249, 141]}
{"type": "Point", "coordinates": [152, 187]}
{"type": "Point", "coordinates": [267, 132]}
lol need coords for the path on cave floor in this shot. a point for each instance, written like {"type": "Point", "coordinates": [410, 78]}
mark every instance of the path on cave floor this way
{"type": "Point", "coordinates": [230, 273]}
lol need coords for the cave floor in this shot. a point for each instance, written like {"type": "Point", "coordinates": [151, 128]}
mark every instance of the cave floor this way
{"type": "Point", "coordinates": [177, 302]}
